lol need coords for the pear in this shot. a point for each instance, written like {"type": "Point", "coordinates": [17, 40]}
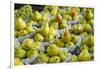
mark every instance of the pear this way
{"type": "Point", "coordinates": [55, 25]}
{"type": "Point", "coordinates": [17, 61]}
{"type": "Point", "coordinates": [66, 37]}
{"type": "Point", "coordinates": [90, 40]}
{"type": "Point", "coordinates": [44, 58]}
{"type": "Point", "coordinates": [89, 14]}
{"type": "Point", "coordinates": [29, 28]}
{"type": "Point", "coordinates": [74, 29]}
{"type": "Point", "coordinates": [15, 33]}
{"type": "Point", "coordinates": [52, 31]}
{"type": "Point", "coordinates": [53, 50]}
{"type": "Point", "coordinates": [22, 33]}
{"type": "Point", "coordinates": [49, 37]}
{"type": "Point", "coordinates": [76, 17]}
{"type": "Point", "coordinates": [73, 12]}
{"type": "Point", "coordinates": [32, 53]}
{"type": "Point", "coordinates": [74, 58]}
{"type": "Point", "coordinates": [20, 24]}
{"type": "Point", "coordinates": [37, 45]}
{"type": "Point", "coordinates": [80, 28]}
{"type": "Point", "coordinates": [59, 43]}
{"type": "Point", "coordinates": [84, 55]}
{"type": "Point", "coordinates": [27, 44]}
{"type": "Point", "coordinates": [37, 16]}
{"type": "Point", "coordinates": [69, 44]}
{"type": "Point", "coordinates": [54, 11]}
{"type": "Point", "coordinates": [91, 21]}
{"type": "Point", "coordinates": [75, 39]}
{"type": "Point", "coordinates": [38, 37]}
{"type": "Point", "coordinates": [68, 17]}
{"type": "Point", "coordinates": [63, 24]}
{"type": "Point", "coordinates": [59, 18]}
{"type": "Point", "coordinates": [62, 55]}
{"type": "Point", "coordinates": [83, 21]}
{"type": "Point", "coordinates": [20, 53]}
{"type": "Point", "coordinates": [45, 29]}
{"type": "Point", "coordinates": [87, 28]}
{"type": "Point", "coordinates": [54, 59]}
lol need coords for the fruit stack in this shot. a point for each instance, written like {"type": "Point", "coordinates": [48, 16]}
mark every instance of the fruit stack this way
{"type": "Point", "coordinates": [57, 34]}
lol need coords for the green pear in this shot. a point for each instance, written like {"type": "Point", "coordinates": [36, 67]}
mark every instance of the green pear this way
{"type": "Point", "coordinates": [53, 50]}
{"type": "Point", "coordinates": [17, 61]}
{"type": "Point", "coordinates": [27, 44]}
{"type": "Point", "coordinates": [83, 21]}
{"type": "Point", "coordinates": [44, 58]}
{"type": "Point", "coordinates": [63, 24]}
{"type": "Point", "coordinates": [20, 24]}
{"type": "Point", "coordinates": [54, 59]}
{"type": "Point", "coordinates": [80, 28]}
{"type": "Point", "coordinates": [59, 43]}
{"type": "Point", "coordinates": [15, 33]}
{"type": "Point", "coordinates": [31, 53]}
{"type": "Point", "coordinates": [74, 58]}
{"type": "Point", "coordinates": [54, 11]}
{"type": "Point", "coordinates": [84, 55]}
{"type": "Point", "coordinates": [38, 37]}
{"type": "Point", "coordinates": [62, 55]}
{"type": "Point", "coordinates": [49, 37]}
{"type": "Point", "coordinates": [45, 29]}
{"type": "Point", "coordinates": [76, 17]}
{"type": "Point", "coordinates": [74, 29]}
{"type": "Point", "coordinates": [29, 28]}
{"type": "Point", "coordinates": [91, 21]}
{"type": "Point", "coordinates": [22, 33]}
{"type": "Point", "coordinates": [90, 40]}
{"type": "Point", "coordinates": [84, 47]}
{"type": "Point", "coordinates": [37, 45]}
{"type": "Point", "coordinates": [66, 37]}
{"type": "Point", "coordinates": [75, 39]}
{"type": "Point", "coordinates": [52, 31]}
{"type": "Point", "coordinates": [89, 14]}
{"type": "Point", "coordinates": [37, 16]}
{"type": "Point", "coordinates": [68, 17]}
{"type": "Point", "coordinates": [87, 28]}
{"type": "Point", "coordinates": [69, 44]}
{"type": "Point", "coordinates": [55, 25]}
{"type": "Point", "coordinates": [20, 53]}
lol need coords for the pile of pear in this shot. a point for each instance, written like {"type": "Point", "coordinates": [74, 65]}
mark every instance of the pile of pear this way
{"type": "Point", "coordinates": [45, 25]}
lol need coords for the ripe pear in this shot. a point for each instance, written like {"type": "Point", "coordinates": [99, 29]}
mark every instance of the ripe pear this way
{"type": "Point", "coordinates": [20, 24]}
{"type": "Point", "coordinates": [37, 16]}
{"type": "Point", "coordinates": [87, 28]}
{"type": "Point", "coordinates": [27, 44]}
{"type": "Point", "coordinates": [38, 37]}
{"type": "Point", "coordinates": [32, 53]}
{"type": "Point", "coordinates": [74, 58]}
{"type": "Point", "coordinates": [44, 58]}
{"type": "Point", "coordinates": [53, 50]}
{"type": "Point", "coordinates": [22, 33]}
{"type": "Point", "coordinates": [20, 53]}
{"type": "Point", "coordinates": [49, 37]}
{"type": "Point", "coordinates": [45, 29]}
{"type": "Point", "coordinates": [66, 37]}
{"type": "Point", "coordinates": [59, 18]}
{"type": "Point", "coordinates": [89, 14]}
{"type": "Point", "coordinates": [84, 55]}
{"type": "Point", "coordinates": [59, 43]}
{"type": "Point", "coordinates": [62, 55]}
{"type": "Point", "coordinates": [54, 59]}
{"type": "Point", "coordinates": [17, 61]}
{"type": "Point", "coordinates": [29, 28]}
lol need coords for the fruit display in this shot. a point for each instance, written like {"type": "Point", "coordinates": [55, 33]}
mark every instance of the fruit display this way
{"type": "Point", "coordinates": [47, 34]}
